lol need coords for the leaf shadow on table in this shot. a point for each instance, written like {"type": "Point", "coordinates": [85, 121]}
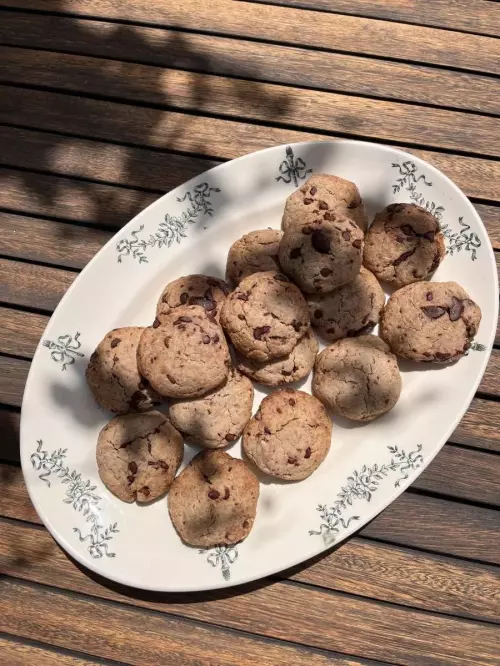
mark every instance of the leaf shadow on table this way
{"type": "Point", "coordinates": [142, 156]}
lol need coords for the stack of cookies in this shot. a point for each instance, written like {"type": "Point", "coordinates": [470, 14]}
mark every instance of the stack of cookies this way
{"type": "Point", "coordinates": [210, 338]}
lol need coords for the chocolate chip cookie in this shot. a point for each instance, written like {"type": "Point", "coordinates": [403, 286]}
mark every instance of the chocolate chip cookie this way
{"type": "Point", "coordinates": [430, 321]}
{"type": "Point", "coordinates": [255, 252]}
{"type": "Point", "coordinates": [265, 316]}
{"type": "Point", "coordinates": [320, 256]}
{"type": "Point", "coordinates": [138, 456]}
{"type": "Point", "coordinates": [323, 194]}
{"type": "Point", "coordinates": [289, 436]}
{"type": "Point", "coordinates": [186, 355]}
{"type": "Point", "coordinates": [404, 244]}
{"type": "Point", "coordinates": [291, 368]}
{"type": "Point", "coordinates": [203, 290]}
{"type": "Point", "coordinates": [218, 418]}
{"type": "Point", "coordinates": [213, 501]}
{"type": "Point", "coordinates": [357, 378]}
{"type": "Point", "coordinates": [113, 376]}
{"type": "Point", "coordinates": [353, 309]}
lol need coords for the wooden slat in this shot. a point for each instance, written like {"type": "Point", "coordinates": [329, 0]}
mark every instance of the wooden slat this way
{"type": "Point", "coordinates": [18, 653]}
{"type": "Point", "coordinates": [476, 16]}
{"type": "Point", "coordinates": [203, 93]}
{"type": "Point", "coordinates": [479, 427]}
{"type": "Point", "coordinates": [9, 439]}
{"type": "Point", "coordinates": [296, 614]}
{"type": "Point", "coordinates": [34, 286]}
{"type": "Point", "coordinates": [139, 638]}
{"type": "Point", "coordinates": [253, 60]}
{"type": "Point", "coordinates": [360, 567]}
{"type": "Point", "coordinates": [490, 215]}
{"type": "Point", "coordinates": [13, 375]}
{"type": "Point", "coordinates": [490, 382]}
{"type": "Point", "coordinates": [54, 196]}
{"type": "Point", "coordinates": [222, 139]}
{"type": "Point", "coordinates": [415, 520]}
{"type": "Point", "coordinates": [49, 242]}
{"type": "Point", "coordinates": [20, 331]}
{"type": "Point", "coordinates": [299, 27]}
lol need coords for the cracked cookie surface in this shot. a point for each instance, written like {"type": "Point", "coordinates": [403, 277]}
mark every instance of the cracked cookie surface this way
{"type": "Point", "coordinates": [290, 368]}
{"type": "Point", "coordinates": [320, 256]}
{"type": "Point", "coordinates": [320, 194]}
{"type": "Point", "coordinates": [185, 356]}
{"type": "Point", "coordinates": [430, 321]}
{"type": "Point", "coordinates": [357, 378]}
{"type": "Point", "coordinates": [113, 376]}
{"type": "Point", "coordinates": [289, 436]}
{"type": "Point", "coordinates": [217, 419]}
{"type": "Point", "coordinates": [138, 456]}
{"type": "Point", "coordinates": [203, 290]}
{"type": "Point", "coordinates": [213, 501]}
{"type": "Point", "coordinates": [403, 244]}
{"type": "Point", "coordinates": [351, 310]}
{"type": "Point", "coordinates": [255, 252]}
{"type": "Point", "coordinates": [265, 316]}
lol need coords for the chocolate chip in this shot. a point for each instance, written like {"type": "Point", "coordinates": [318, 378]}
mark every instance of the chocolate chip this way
{"type": "Point", "coordinates": [226, 493]}
{"type": "Point", "coordinates": [313, 190]}
{"type": "Point", "coordinates": [279, 410]}
{"type": "Point", "coordinates": [132, 467]}
{"type": "Point", "coordinates": [182, 320]}
{"type": "Point", "coordinates": [320, 241]}
{"type": "Point", "coordinates": [330, 217]}
{"type": "Point", "coordinates": [230, 437]}
{"type": "Point", "coordinates": [406, 229]}
{"type": "Point", "coordinates": [323, 205]}
{"type": "Point", "coordinates": [183, 297]}
{"type": "Point", "coordinates": [214, 494]}
{"type": "Point", "coordinates": [145, 491]}
{"type": "Point", "coordinates": [242, 297]}
{"type": "Point", "coordinates": [260, 331]}
{"type": "Point", "coordinates": [291, 402]}
{"type": "Point", "coordinates": [346, 235]}
{"type": "Point", "coordinates": [308, 452]}
{"type": "Point", "coordinates": [267, 431]}
{"type": "Point", "coordinates": [403, 257]}
{"type": "Point", "coordinates": [295, 253]}
{"type": "Point", "coordinates": [318, 314]}
{"type": "Point", "coordinates": [242, 317]}
{"type": "Point", "coordinates": [433, 311]}
{"type": "Point", "coordinates": [245, 524]}
{"type": "Point", "coordinates": [131, 478]}
{"type": "Point", "coordinates": [429, 296]}
{"type": "Point", "coordinates": [306, 230]}
{"type": "Point", "coordinates": [206, 339]}
{"type": "Point", "coordinates": [325, 272]}
{"type": "Point", "coordinates": [216, 339]}
{"type": "Point", "coordinates": [156, 323]}
{"type": "Point", "coordinates": [308, 201]}
{"type": "Point", "coordinates": [357, 243]}
{"type": "Point", "coordinates": [456, 309]}
{"type": "Point", "coordinates": [291, 461]}
{"type": "Point", "coordinates": [115, 342]}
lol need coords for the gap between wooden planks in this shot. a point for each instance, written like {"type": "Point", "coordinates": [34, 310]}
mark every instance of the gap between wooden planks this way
{"type": "Point", "coordinates": [253, 60]}
{"type": "Point", "coordinates": [262, 102]}
{"type": "Point", "coordinates": [295, 26]}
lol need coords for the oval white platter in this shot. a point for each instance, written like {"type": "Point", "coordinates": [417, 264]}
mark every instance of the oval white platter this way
{"type": "Point", "coordinates": [188, 231]}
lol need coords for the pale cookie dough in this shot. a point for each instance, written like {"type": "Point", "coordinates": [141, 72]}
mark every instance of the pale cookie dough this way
{"type": "Point", "coordinates": [403, 244]}
{"type": "Point", "coordinates": [265, 316]}
{"type": "Point", "coordinates": [186, 356]}
{"type": "Point", "coordinates": [291, 368]}
{"type": "Point", "coordinates": [430, 321]}
{"type": "Point", "coordinates": [289, 436]}
{"type": "Point", "coordinates": [218, 418]}
{"type": "Point", "coordinates": [138, 456]}
{"type": "Point", "coordinates": [255, 252]}
{"type": "Point", "coordinates": [213, 501]}
{"type": "Point", "coordinates": [320, 256]}
{"type": "Point", "coordinates": [321, 195]}
{"type": "Point", "coordinates": [357, 377]}
{"type": "Point", "coordinates": [353, 309]}
{"type": "Point", "coordinates": [203, 290]}
{"type": "Point", "coordinates": [113, 376]}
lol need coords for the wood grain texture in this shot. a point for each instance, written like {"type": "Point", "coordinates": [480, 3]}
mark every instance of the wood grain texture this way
{"type": "Point", "coordinates": [476, 16]}
{"type": "Point", "coordinates": [490, 383]}
{"type": "Point", "coordinates": [479, 426]}
{"type": "Point", "coordinates": [204, 93]}
{"type": "Point", "coordinates": [428, 523]}
{"type": "Point", "coordinates": [253, 60]}
{"type": "Point", "coordinates": [9, 429]}
{"type": "Point", "coordinates": [13, 375]}
{"type": "Point", "coordinates": [222, 139]}
{"type": "Point", "coordinates": [382, 632]}
{"type": "Point", "coordinates": [297, 27]}
{"type": "Point", "coordinates": [20, 331]}
{"type": "Point", "coordinates": [17, 653]}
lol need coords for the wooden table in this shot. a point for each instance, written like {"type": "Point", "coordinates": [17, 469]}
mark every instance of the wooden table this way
{"type": "Point", "coordinates": [104, 106]}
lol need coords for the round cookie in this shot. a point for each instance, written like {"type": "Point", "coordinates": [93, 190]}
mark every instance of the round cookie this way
{"type": "Point", "coordinates": [291, 368]}
{"type": "Point", "coordinates": [430, 321]}
{"type": "Point", "coordinates": [265, 316]}
{"type": "Point", "coordinates": [289, 436]}
{"type": "Point", "coordinates": [218, 418]}
{"type": "Point", "coordinates": [320, 195]}
{"type": "Point", "coordinates": [185, 356]}
{"type": "Point", "coordinates": [357, 377]}
{"type": "Point", "coordinates": [403, 244]}
{"type": "Point", "coordinates": [255, 252]}
{"type": "Point", "coordinates": [113, 376]}
{"type": "Point", "coordinates": [353, 309]}
{"type": "Point", "coordinates": [138, 456]}
{"type": "Point", "coordinates": [322, 255]}
{"type": "Point", "coordinates": [213, 501]}
{"type": "Point", "coordinates": [208, 292]}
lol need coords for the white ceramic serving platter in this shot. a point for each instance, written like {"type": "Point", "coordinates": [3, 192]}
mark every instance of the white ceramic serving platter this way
{"type": "Point", "coordinates": [188, 231]}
